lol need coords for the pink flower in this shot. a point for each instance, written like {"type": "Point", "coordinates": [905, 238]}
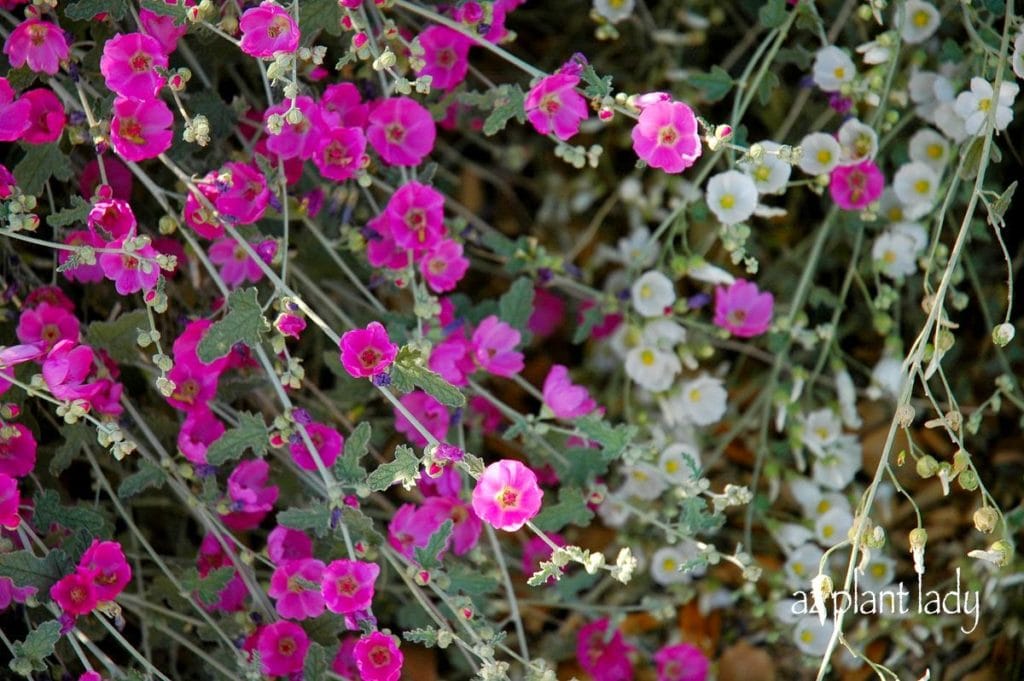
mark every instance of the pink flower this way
{"type": "Point", "coordinates": [90, 676]}
{"type": "Point", "coordinates": [105, 561]}
{"type": "Point", "coordinates": [431, 414]}
{"type": "Point", "coordinates": [452, 358]}
{"type": "Point", "coordinates": [39, 44]}
{"type": "Point", "coordinates": [378, 658]}
{"type": "Point", "coordinates": [466, 524]}
{"type": "Point", "coordinates": [284, 544]}
{"type": "Point", "coordinates": [236, 267]}
{"type": "Point", "coordinates": [507, 495]}
{"type": "Point", "coordinates": [129, 65]}
{"type": "Point", "coordinates": [548, 313]}
{"type": "Point", "coordinates": [566, 400]}
{"type": "Point", "coordinates": [75, 593]}
{"type": "Point", "coordinates": [46, 325]}
{"type": "Point", "coordinates": [415, 216]}
{"type": "Point", "coordinates": [17, 450]}
{"type": "Point", "coordinates": [344, 663]}
{"type": "Point", "coordinates": [163, 28]}
{"type": "Point", "coordinates": [200, 429]}
{"type": "Point", "coordinates": [282, 646]}
{"type": "Point", "coordinates": [494, 344]}
{"type": "Point", "coordinates": [65, 369]}
{"type": "Point", "coordinates": [367, 352]}
{"type": "Point", "coordinates": [605, 660]}
{"type": "Point", "coordinates": [554, 106]}
{"type": "Point", "coordinates": [340, 153]}
{"type": "Point", "coordinates": [666, 136]}
{"type": "Point", "coordinates": [7, 181]}
{"type": "Point", "coordinates": [299, 140]}
{"type": "Point", "coordinates": [114, 218]}
{"type": "Point", "coordinates": [445, 56]}
{"type": "Point", "coordinates": [46, 116]}
{"type": "Point", "coordinates": [854, 187]}
{"type": "Point", "coordinates": [381, 249]}
{"type": "Point", "coordinates": [443, 266]}
{"type": "Point", "coordinates": [401, 131]}
{"type": "Point", "coordinates": [14, 115]}
{"type": "Point", "coordinates": [681, 662]}
{"type": "Point", "coordinates": [409, 529]}
{"type": "Point", "coordinates": [130, 272]}
{"type": "Point", "coordinates": [291, 325]}
{"type": "Point", "coordinates": [120, 179]}
{"type": "Point", "coordinates": [141, 128]}
{"type": "Point", "coordinates": [212, 556]}
{"type": "Point", "coordinates": [328, 443]}
{"type": "Point", "coordinates": [295, 587]}
{"type": "Point", "coordinates": [536, 550]}
{"type": "Point", "coordinates": [348, 585]}
{"type": "Point", "coordinates": [244, 195]}
{"type": "Point", "coordinates": [267, 30]}
{"type": "Point", "coordinates": [341, 106]}
{"type": "Point", "coordinates": [10, 499]}
{"type": "Point", "coordinates": [742, 309]}
{"type": "Point", "coordinates": [250, 496]}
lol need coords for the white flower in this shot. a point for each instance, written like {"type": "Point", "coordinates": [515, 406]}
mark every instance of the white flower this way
{"type": "Point", "coordinates": [833, 68]}
{"type": "Point", "coordinates": [614, 10]}
{"type": "Point", "coordinates": [821, 153]}
{"type": "Point", "coordinates": [637, 249]}
{"type": "Point", "coordinates": [643, 481]}
{"type": "Point", "coordinates": [840, 463]}
{"type": "Point", "coordinates": [914, 231]}
{"type": "Point", "coordinates": [801, 564]}
{"type": "Point", "coordinates": [857, 141]}
{"type": "Point", "coordinates": [950, 122]}
{"type": "Point", "coordinates": [770, 173]}
{"type": "Point", "coordinates": [790, 536]}
{"type": "Point", "coordinates": [919, 21]}
{"type": "Point", "coordinates": [916, 186]}
{"type": "Point", "coordinates": [806, 493]}
{"type": "Point", "coordinates": [875, 52]}
{"type": "Point", "coordinates": [732, 196]}
{"type": "Point", "coordinates": [820, 429]}
{"type": "Point", "coordinates": [679, 462]}
{"type": "Point", "coordinates": [894, 254]}
{"type": "Point", "coordinates": [1018, 55]}
{"type": "Point", "coordinates": [663, 334]}
{"type": "Point", "coordinates": [652, 293]}
{"type": "Point", "coordinates": [710, 274]}
{"type": "Point", "coordinates": [928, 146]}
{"type": "Point", "coordinates": [702, 401]}
{"type": "Point", "coordinates": [811, 635]}
{"type": "Point", "coordinates": [832, 526]}
{"type": "Point", "coordinates": [928, 90]}
{"type": "Point", "coordinates": [975, 105]}
{"type": "Point", "coordinates": [651, 368]}
{"type": "Point", "coordinates": [614, 511]}
{"type": "Point", "coordinates": [846, 392]}
{"type": "Point", "coordinates": [783, 611]}
{"type": "Point", "coordinates": [885, 377]}
{"type": "Point", "coordinates": [889, 207]}
{"type": "Point", "coordinates": [665, 564]}
{"type": "Point", "coordinates": [876, 574]}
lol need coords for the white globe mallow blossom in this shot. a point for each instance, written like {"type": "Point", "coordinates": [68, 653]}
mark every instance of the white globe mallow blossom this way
{"type": "Point", "coordinates": [877, 574]}
{"type": "Point", "coordinates": [663, 334]}
{"type": "Point", "coordinates": [732, 197]}
{"type": "Point", "coordinates": [928, 90]}
{"type": "Point", "coordinates": [857, 142]}
{"type": "Point", "coordinates": [885, 379]}
{"type": "Point", "coordinates": [833, 68]}
{"type": "Point", "coordinates": [950, 122]}
{"type": "Point", "coordinates": [846, 393]}
{"type": "Point", "coordinates": [769, 172]}
{"type": "Point", "coordinates": [820, 429]}
{"type": "Point", "coordinates": [894, 254]}
{"type": "Point", "coordinates": [918, 21]}
{"type": "Point", "coordinates": [709, 274]}
{"type": "Point", "coordinates": [701, 401]}
{"type": "Point", "coordinates": [916, 185]}
{"type": "Point", "coordinates": [643, 481]}
{"type": "Point", "coordinates": [802, 564]}
{"type": "Point", "coordinates": [889, 206]}
{"type": "Point", "coordinates": [792, 535]}
{"type": "Point", "coordinates": [821, 153]}
{"type": "Point", "coordinates": [785, 611]}
{"type": "Point", "coordinates": [976, 105]}
{"type": "Point", "coordinates": [930, 147]}
{"type": "Point", "coordinates": [679, 462]}
{"type": "Point", "coordinates": [653, 293]}
{"type": "Point", "coordinates": [914, 231]}
{"type": "Point", "coordinates": [637, 249]}
{"type": "Point", "coordinates": [839, 464]}
{"type": "Point", "coordinates": [665, 566]}
{"type": "Point", "coordinates": [652, 368]}
{"type": "Point", "coordinates": [1017, 59]}
{"type": "Point", "coordinates": [811, 636]}
{"type": "Point", "coordinates": [614, 510]}
{"type": "Point", "coordinates": [614, 10]}
{"type": "Point", "coordinates": [832, 526]}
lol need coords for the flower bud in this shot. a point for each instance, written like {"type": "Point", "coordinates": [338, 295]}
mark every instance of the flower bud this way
{"type": "Point", "coordinates": [1003, 334]}
{"type": "Point", "coordinates": [985, 519]}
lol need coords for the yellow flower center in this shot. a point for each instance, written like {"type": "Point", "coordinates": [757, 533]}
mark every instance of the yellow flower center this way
{"type": "Point", "coordinates": [727, 201]}
{"type": "Point", "coordinates": [647, 358]}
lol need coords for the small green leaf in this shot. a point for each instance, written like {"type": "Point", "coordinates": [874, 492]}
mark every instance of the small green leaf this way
{"type": "Point", "coordinates": [49, 511]}
{"type": "Point", "coordinates": [348, 468]}
{"type": "Point", "coordinates": [428, 555]}
{"type": "Point", "coordinates": [30, 655]}
{"type": "Point", "coordinates": [360, 526]}
{"type": "Point", "coordinates": [148, 475]}
{"type": "Point", "coordinates": [570, 509]}
{"type": "Point", "coordinates": [613, 439]}
{"type": "Point", "coordinates": [77, 212]}
{"type": "Point", "coordinates": [84, 10]}
{"type": "Point", "coordinates": [118, 337]}
{"type": "Point", "coordinates": [40, 163]}
{"type": "Point", "coordinates": [250, 433]}
{"type": "Point", "coordinates": [316, 665]}
{"type": "Point", "coordinates": [598, 87]}
{"type": "Point", "coordinates": [516, 305]}
{"type": "Point", "coordinates": [767, 88]}
{"type": "Point", "coordinates": [73, 439]}
{"type": "Point", "coordinates": [242, 324]}
{"type": "Point", "coordinates": [509, 102]}
{"type": "Point", "coordinates": [998, 209]}
{"type": "Point", "coordinates": [316, 16]}
{"type": "Point", "coordinates": [404, 469]}
{"type": "Point", "coordinates": [207, 588]}
{"type": "Point", "coordinates": [178, 10]}
{"type": "Point", "coordinates": [317, 519]}
{"type": "Point", "coordinates": [592, 316]}
{"type": "Point", "coordinates": [425, 636]}
{"type": "Point", "coordinates": [772, 13]}
{"type": "Point", "coordinates": [715, 84]}
{"type": "Point", "coordinates": [408, 370]}
{"type": "Point", "coordinates": [471, 582]}
{"type": "Point", "coordinates": [25, 569]}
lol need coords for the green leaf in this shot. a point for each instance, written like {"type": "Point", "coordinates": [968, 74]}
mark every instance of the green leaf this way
{"type": "Point", "coordinates": [767, 88]}
{"type": "Point", "coordinates": [30, 655]}
{"type": "Point", "coordinates": [998, 209]}
{"type": "Point", "coordinates": [592, 316]}
{"type": "Point", "coordinates": [613, 439]}
{"type": "Point", "coordinates": [207, 588]}
{"type": "Point", "coordinates": [798, 56]}
{"type": "Point", "coordinates": [509, 102]}
{"type": "Point", "coordinates": [40, 163]}
{"type": "Point", "coordinates": [408, 370]}
{"type": "Point", "coordinates": [471, 582]}
{"type": "Point", "coordinates": [715, 84]}
{"type": "Point", "coordinates": [77, 212]}
{"type": "Point", "coordinates": [49, 511]}
{"type": "Point", "coordinates": [148, 475]}
{"type": "Point", "coordinates": [73, 439]}
{"type": "Point", "coordinates": [404, 469]}
{"type": "Point", "coordinates": [772, 13]}
{"type": "Point", "coordinates": [317, 519]}
{"type": "Point", "coordinates": [25, 569]}
{"type": "Point", "coordinates": [581, 465]}
{"type": "Point", "coordinates": [348, 468]}
{"type": "Point", "coordinates": [242, 324]}
{"type": "Point", "coordinates": [250, 433]}
{"type": "Point", "coordinates": [425, 636]}
{"type": "Point", "coordinates": [178, 10]}
{"type": "Point", "coordinates": [84, 10]}
{"type": "Point", "coordinates": [360, 526]}
{"type": "Point", "coordinates": [316, 16]}
{"type": "Point", "coordinates": [516, 306]}
{"type": "Point", "coordinates": [571, 508]}
{"type": "Point", "coordinates": [118, 337]}
{"type": "Point", "coordinates": [428, 555]}
{"type": "Point", "coordinates": [598, 87]}
{"type": "Point", "coordinates": [316, 665]}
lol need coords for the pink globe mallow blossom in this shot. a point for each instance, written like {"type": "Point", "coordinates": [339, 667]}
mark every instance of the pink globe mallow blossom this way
{"type": "Point", "coordinates": [14, 113]}
{"type": "Point", "coordinates": [250, 498]}
{"type": "Point", "coordinates": [112, 219]}
{"type": "Point", "coordinates": [348, 585]}
{"type": "Point", "coordinates": [341, 106]}
{"type": "Point", "coordinates": [282, 647]}
{"type": "Point", "coordinates": [367, 352]}
{"type": "Point", "coordinates": [494, 343]}
{"type": "Point", "coordinates": [667, 136]}
{"type": "Point", "coordinates": [415, 216]}
{"type": "Point", "coordinates": [106, 562]}
{"type": "Point", "coordinates": [46, 325]}
{"type": "Point", "coordinates": [327, 441]}
{"type": "Point", "coordinates": [75, 593]}
{"type": "Point", "coordinates": [284, 544]}
{"type": "Point", "coordinates": [131, 271]}
{"type": "Point", "coordinates": [65, 370]}
{"type": "Point", "coordinates": [39, 45]}
{"type": "Point", "coordinates": [445, 56]}
{"type": "Point", "coordinates": [853, 187]}
{"type": "Point", "coordinates": [401, 131]}
{"type": "Point", "coordinates": [200, 429]}
{"type": "Point", "coordinates": [10, 499]}
{"type": "Point", "coordinates": [603, 658]}
{"type": "Point", "coordinates": [378, 657]}
{"type": "Point", "coordinates": [443, 266]}
{"type": "Point", "coordinates": [430, 414]}
{"type": "Point", "coordinates": [295, 588]}
{"type": "Point", "coordinates": [267, 30]}
{"type": "Point", "coordinates": [141, 129]}
{"type": "Point", "coordinates": [507, 495]}
{"type": "Point", "coordinates": [243, 194]}
{"type": "Point", "coordinates": [236, 265]}
{"type": "Point", "coordinates": [742, 309]}
{"type": "Point", "coordinates": [130, 64]}
{"type": "Point", "coordinates": [681, 662]}
{"type": "Point", "coordinates": [17, 450]}
{"type": "Point", "coordinates": [296, 140]}
{"type": "Point", "coordinates": [565, 399]}
{"type": "Point", "coordinates": [46, 117]}
{"type": "Point", "coordinates": [340, 153]}
{"type": "Point", "coordinates": [554, 107]}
